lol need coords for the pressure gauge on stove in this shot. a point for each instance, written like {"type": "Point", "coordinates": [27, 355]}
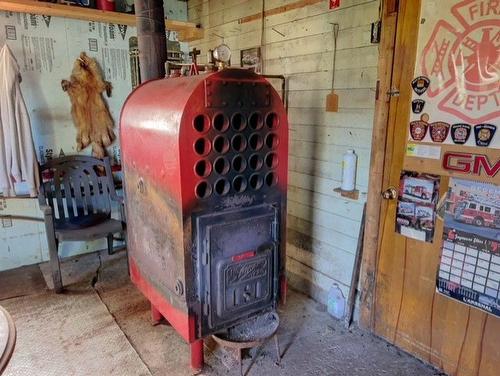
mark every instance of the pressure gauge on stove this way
{"type": "Point", "coordinates": [222, 53]}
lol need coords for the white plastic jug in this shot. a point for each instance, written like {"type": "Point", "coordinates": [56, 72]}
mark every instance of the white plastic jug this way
{"type": "Point", "coordinates": [336, 302]}
{"type": "Point", "coordinates": [349, 161]}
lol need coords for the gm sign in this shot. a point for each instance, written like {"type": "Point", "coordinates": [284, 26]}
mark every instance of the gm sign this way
{"type": "Point", "coordinates": [467, 163]}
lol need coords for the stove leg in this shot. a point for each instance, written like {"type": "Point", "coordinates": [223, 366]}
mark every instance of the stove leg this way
{"type": "Point", "coordinates": [197, 355]}
{"type": "Point", "coordinates": [283, 290]}
{"type": "Point", "coordinates": [156, 316]}
{"type": "Point", "coordinates": [239, 361]}
{"type": "Point", "coordinates": [278, 352]}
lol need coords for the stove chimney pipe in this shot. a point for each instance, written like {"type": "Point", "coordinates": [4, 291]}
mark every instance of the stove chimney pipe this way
{"type": "Point", "coordinates": [151, 38]}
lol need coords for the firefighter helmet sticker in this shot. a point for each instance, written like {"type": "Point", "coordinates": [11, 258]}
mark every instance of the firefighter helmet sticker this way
{"type": "Point", "coordinates": [439, 131]}
{"type": "Point", "coordinates": [417, 105]}
{"type": "Point", "coordinates": [420, 84]}
{"type": "Point", "coordinates": [461, 58]}
{"type": "Point", "coordinates": [484, 134]}
{"type": "Point", "coordinates": [460, 133]}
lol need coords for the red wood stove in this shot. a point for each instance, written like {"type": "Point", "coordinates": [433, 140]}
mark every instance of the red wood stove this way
{"type": "Point", "coordinates": [205, 164]}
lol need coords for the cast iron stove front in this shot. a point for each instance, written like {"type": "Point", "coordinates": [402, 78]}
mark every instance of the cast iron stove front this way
{"type": "Point", "coordinates": [237, 262]}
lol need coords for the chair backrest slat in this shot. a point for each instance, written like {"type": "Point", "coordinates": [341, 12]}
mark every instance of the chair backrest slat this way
{"type": "Point", "coordinates": [59, 197]}
{"type": "Point", "coordinates": [89, 191]}
{"type": "Point", "coordinates": [81, 207]}
{"type": "Point", "coordinates": [68, 196]}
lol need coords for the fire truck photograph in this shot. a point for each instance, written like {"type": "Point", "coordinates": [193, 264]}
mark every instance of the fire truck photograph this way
{"type": "Point", "coordinates": [474, 207]}
{"type": "Point", "coordinates": [477, 213]}
{"type": "Point", "coordinates": [417, 200]}
{"type": "Point", "coordinates": [418, 189]}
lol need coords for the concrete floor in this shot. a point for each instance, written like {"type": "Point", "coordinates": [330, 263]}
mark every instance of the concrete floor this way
{"type": "Point", "coordinates": [100, 326]}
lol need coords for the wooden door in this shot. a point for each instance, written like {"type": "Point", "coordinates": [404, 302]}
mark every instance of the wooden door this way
{"type": "Point", "coordinates": [399, 298]}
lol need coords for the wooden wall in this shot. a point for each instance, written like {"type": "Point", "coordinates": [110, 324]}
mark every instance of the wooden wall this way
{"type": "Point", "coordinates": [406, 309]}
{"type": "Point", "coordinates": [322, 226]}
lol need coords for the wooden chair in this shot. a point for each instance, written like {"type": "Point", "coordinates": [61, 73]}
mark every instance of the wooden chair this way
{"type": "Point", "coordinates": [76, 202]}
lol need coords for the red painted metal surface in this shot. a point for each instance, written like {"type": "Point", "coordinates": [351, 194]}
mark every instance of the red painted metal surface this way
{"type": "Point", "coordinates": [156, 316]}
{"type": "Point", "coordinates": [182, 323]}
{"type": "Point", "coordinates": [178, 136]}
{"type": "Point", "coordinates": [197, 358]}
{"type": "Point", "coordinates": [283, 289]}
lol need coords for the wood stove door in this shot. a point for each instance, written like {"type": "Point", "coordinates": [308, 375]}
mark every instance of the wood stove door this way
{"type": "Point", "coordinates": [237, 265]}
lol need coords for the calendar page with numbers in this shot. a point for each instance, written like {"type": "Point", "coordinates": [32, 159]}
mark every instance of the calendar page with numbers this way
{"type": "Point", "coordinates": [469, 270]}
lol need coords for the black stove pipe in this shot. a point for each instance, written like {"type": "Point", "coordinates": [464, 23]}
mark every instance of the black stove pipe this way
{"type": "Point", "coordinates": [151, 38]}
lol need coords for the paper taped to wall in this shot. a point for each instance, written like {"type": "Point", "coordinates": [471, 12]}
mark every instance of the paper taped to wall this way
{"type": "Point", "coordinates": [423, 151]}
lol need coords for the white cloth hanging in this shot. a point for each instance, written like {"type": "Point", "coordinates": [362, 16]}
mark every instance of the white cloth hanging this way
{"type": "Point", "coordinates": [17, 152]}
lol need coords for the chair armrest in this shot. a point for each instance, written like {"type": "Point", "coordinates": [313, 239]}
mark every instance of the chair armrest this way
{"type": "Point", "coordinates": [46, 210]}
{"type": "Point", "coordinates": [48, 218]}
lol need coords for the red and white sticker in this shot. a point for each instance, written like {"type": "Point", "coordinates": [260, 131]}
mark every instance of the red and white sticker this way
{"type": "Point", "coordinates": [459, 52]}
{"type": "Point", "coordinates": [462, 61]}
{"type": "Point", "coordinates": [334, 4]}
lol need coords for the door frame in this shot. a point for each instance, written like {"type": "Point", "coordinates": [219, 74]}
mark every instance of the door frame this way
{"type": "Point", "coordinates": [399, 301]}
{"type": "Point", "coordinates": [386, 103]}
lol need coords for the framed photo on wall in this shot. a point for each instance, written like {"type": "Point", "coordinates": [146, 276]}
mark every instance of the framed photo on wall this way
{"type": "Point", "coordinates": [251, 59]}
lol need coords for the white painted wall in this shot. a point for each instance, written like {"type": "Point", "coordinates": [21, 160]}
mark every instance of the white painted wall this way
{"type": "Point", "coordinates": [322, 226]}
{"type": "Point", "coordinates": [45, 49]}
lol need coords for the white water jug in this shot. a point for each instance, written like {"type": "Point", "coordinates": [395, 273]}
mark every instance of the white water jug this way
{"type": "Point", "coordinates": [349, 162]}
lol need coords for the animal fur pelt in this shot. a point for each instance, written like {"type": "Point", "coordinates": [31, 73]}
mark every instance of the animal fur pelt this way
{"type": "Point", "coordinates": [90, 113]}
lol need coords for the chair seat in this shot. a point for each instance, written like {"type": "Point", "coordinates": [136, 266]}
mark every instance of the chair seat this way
{"type": "Point", "coordinates": [100, 230]}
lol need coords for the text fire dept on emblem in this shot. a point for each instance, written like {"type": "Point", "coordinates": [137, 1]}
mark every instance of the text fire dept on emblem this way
{"type": "Point", "coordinates": [463, 62]}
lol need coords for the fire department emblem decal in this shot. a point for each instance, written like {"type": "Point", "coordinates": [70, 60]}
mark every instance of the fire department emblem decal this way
{"type": "Point", "coordinates": [418, 129]}
{"type": "Point", "coordinates": [420, 84]}
{"type": "Point", "coordinates": [439, 131]}
{"type": "Point", "coordinates": [462, 61]}
{"type": "Point", "coordinates": [460, 133]}
{"type": "Point", "coordinates": [417, 105]}
{"type": "Point", "coordinates": [484, 134]}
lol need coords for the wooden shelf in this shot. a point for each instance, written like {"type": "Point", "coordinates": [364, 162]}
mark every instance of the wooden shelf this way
{"type": "Point", "coordinates": [187, 31]}
{"type": "Point", "coordinates": [353, 195]}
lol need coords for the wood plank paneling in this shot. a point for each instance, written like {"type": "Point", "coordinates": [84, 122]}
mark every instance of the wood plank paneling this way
{"type": "Point", "coordinates": [323, 227]}
{"type": "Point", "coordinates": [407, 310]}
{"type": "Point", "coordinates": [336, 240]}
